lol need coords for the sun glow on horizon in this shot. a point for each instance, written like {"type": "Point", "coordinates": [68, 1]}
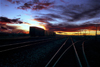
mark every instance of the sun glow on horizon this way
{"type": "Point", "coordinates": [27, 26]}
{"type": "Point", "coordinates": [88, 32]}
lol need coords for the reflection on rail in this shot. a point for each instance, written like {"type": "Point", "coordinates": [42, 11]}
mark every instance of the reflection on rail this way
{"type": "Point", "coordinates": [53, 62]}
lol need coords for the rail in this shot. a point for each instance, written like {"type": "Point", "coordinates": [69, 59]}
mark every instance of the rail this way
{"type": "Point", "coordinates": [8, 47]}
{"type": "Point", "coordinates": [77, 56]}
{"type": "Point", "coordinates": [85, 55]}
{"type": "Point", "coordinates": [56, 53]}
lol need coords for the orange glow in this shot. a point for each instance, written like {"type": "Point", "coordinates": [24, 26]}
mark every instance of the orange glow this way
{"type": "Point", "coordinates": [26, 26]}
{"type": "Point", "coordinates": [40, 26]}
{"type": "Point", "coordinates": [87, 32]}
{"type": "Point", "coordinates": [27, 32]}
{"type": "Point", "coordinates": [3, 22]}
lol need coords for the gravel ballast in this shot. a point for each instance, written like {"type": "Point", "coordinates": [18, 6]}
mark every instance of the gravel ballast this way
{"type": "Point", "coordinates": [30, 57]}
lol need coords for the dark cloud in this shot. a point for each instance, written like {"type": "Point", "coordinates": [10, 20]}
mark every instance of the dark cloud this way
{"type": "Point", "coordinates": [66, 13]}
{"type": "Point", "coordinates": [3, 28]}
{"type": "Point", "coordinates": [79, 12]}
{"type": "Point", "coordinates": [4, 19]}
{"type": "Point", "coordinates": [38, 7]}
{"type": "Point", "coordinates": [14, 1]}
{"type": "Point", "coordinates": [25, 6]}
{"type": "Point", "coordinates": [60, 32]}
{"type": "Point", "coordinates": [67, 27]}
{"type": "Point", "coordinates": [15, 20]}
{"type": "Point", "coordinates": [54, 16]}
{"type": "Point", "coordinates": [19, 31]}
{"type": "Point", "coordinates": [71, 28]}
{"type": "Point", "coordinates": [9, 0]}
{"type": "Point", "coordinates": [35, 5]}
{"type": "Point", "coordinates": [6, 27]}
{"type": "Point", "coordinates": [41, 20]}
{"type": "Point", "coordinates": [7, 20]}
{"type": "Point", "coordinates": [71, 13]}
{"type": "Point", "coordinates": [74, 12]}
{"type": "Point", "coordinates": [64, 1]}
{"type": "Point", "coordinates": [44, 19]}
{"type": "Point", "coordinates": [6, 5]}
{"type": "Point", "coordinates": [18, 2]}
{"type": "Point", "coordinates": [91, 13]}
{"type": "Point", "coordinates": [11, 29]}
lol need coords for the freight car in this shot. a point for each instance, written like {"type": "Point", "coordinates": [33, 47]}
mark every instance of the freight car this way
{"type": "Point", "coordinates": [35, 31]}
{"type": "Point", "coordinates": [49, 33]}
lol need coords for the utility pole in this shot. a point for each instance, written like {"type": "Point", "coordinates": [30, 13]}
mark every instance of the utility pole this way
{"type": "Point", "coordinates": [85, 32]}
{"type": "Point", "coordinates": [96, 33]}
{"type": "Point", "coordinates": [89, 32]}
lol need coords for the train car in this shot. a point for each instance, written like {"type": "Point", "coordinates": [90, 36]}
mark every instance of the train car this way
{"type": "Point", "coordinates": [49, 33]}
{"type": "Point", "coordinates": [35, 31]}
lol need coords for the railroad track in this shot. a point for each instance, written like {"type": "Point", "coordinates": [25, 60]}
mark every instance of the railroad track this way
{"type": "Point", "coordinates": [70, 54]}
{"type": "Point", "coordinates": [8, 47]}
{"type": "Point", "coordinates": [19, 40]}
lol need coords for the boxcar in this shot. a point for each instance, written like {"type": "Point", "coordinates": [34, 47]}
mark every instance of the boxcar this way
{"type": "Point", "coordinates": [49, 33]}
{"type": "Point", "coordinates": [35, 31]}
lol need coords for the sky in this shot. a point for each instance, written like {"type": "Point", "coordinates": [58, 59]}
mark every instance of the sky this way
{"type": "Point", "coordinates": [65, 17]}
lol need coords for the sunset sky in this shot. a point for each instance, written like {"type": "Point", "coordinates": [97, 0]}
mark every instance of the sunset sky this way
{"type": "Point", "coordinates": [65, 17]}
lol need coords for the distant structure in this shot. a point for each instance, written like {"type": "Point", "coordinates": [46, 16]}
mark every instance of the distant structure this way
{"type": "Point", "coordinates": [35, 31]}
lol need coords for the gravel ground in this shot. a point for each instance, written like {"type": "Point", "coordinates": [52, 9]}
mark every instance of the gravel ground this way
{"type": "Point", "coordinates": [34, 56]}
{"type": "Point", "coordinates": [92, 50]}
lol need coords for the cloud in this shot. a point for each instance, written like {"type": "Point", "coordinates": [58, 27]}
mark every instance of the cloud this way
{"type": "Point", "coordinates": [25, 6]}
{"type": "Point", "coordinates": [26, 23]}
{"type": "Point", "coordinates": [19, 31]}
{"type": "Point", "coordinates": [7, 27]}
{"type": "Point", "coordinates": [14, 1]}
{"type": "Point", "coordinates": [11, 29]}
{"type": "Point", "coordinates": [44, 19]}
{"type": "Point", "coordinates": [55, 16]}
{"type": "Point", "coordinates": [71, 28]}
{"type": "Point", "coordinates": [71, 13]}
{"type": "Point", "coordinates": [68, 15]}
{"type": "Point", "coordinates": [88, 14]}
{"type": "Point", "coordinates": [64, 1]}
{"type": "Point", "coordinates": [75, 12]}
{"type": "Point", "coordinates": [6, 5]}
{"type": "Point", "coordinates": [66, 26]}
{"type": "Point", "coordinates": [35, 5]}
{"type": "Point", "coordinates": [9, 0]}
{"type": "Point", "coordinates": [79, 12]}
{"type": "Point", "coordinates": [4, 20]}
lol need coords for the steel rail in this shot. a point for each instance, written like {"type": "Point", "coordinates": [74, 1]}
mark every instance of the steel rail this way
{"type": "Point", "coordinates": [17, 47]}
{"type": "Point", "coordinates": [56, 53]}
{"type": "Point", "coordinates": [80, 64]}
{"type": "Point", "coordinates": [22, 43]}
{"type": "Point", "coordinates": [64, 53]}
{"type": "Point", "coordinates": [39, 41]}
{"type": "Point", "coordinates": [85, 55]}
